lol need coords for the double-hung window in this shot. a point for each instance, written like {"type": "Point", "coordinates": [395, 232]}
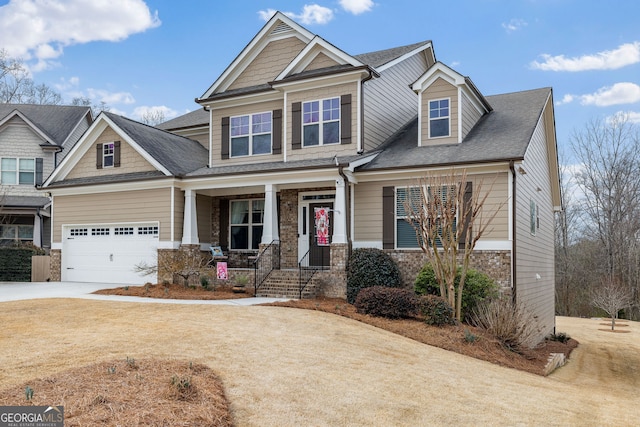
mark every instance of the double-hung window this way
{"type": "Point", "coordinates": [245, 223]}
{"type": "Point", "coordinates": [108, 152]}
{"type": "Point", "coordinates": [18, 171]}
{"type": "Point", "coordinates": [439, 118]}
{"type": "Point", "coordinates": [12, 232]}
{"type": "Point", "coordinates": [251, 134]}
{"type": "Point", "coordinates": [321, 122]}
{"type": "Point", "coordinates": [406, 237]}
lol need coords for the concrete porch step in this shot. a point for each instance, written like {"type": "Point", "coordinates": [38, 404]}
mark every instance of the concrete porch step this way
{"type": "Point", "coordinates": [285, 284]}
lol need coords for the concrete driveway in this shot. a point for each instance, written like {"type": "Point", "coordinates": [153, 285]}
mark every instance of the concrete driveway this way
{"type": "Point", "coordinates": [17, 291]}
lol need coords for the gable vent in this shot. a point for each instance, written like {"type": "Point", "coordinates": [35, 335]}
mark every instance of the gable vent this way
{"type": "Point", "coordinates": [281, 28]}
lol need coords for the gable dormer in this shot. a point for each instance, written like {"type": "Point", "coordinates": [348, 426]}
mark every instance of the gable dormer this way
{"type": "Point", "coordinates": [449, 106]}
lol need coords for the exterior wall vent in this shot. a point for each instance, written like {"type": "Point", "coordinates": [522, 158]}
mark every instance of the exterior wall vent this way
{"type": "Point", "coordinates": [281, 28]}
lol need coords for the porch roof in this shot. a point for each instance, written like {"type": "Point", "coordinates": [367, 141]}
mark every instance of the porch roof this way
{"type": "Point", "coordinates": [24, 201]}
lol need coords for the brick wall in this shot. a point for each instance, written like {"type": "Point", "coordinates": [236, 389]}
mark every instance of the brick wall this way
{"type": "Point", "coordinates": [55, 265]}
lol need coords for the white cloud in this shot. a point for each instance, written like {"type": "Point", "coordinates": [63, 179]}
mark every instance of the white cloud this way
{"type": "Point", "coordinates": [568, 98]}
{"type": "Point", "coordinates": [40, 29]}
{"type": "Point", "coordinates": [619, 93]}
{"type": "Point", "coordinates": [514, 25]}
{"type": "Point", "coordinates": [631, 116]}
{"type": "Point", "coordinates": [357, 6]}
{"type": "Point", "coordinates": [167, 112]}
{"type": "Point", "coordinates": [626, 54]}
{"type": "Point", "coordinates": [311, 14]}
{"type": "Point", "coordinates": [110, 98]}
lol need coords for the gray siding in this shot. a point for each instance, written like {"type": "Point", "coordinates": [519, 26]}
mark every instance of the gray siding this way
{"type": "Point", "coordinates": [73, 138]}
{"type": "Point", "coordinates": [535, 283]}
{"type": "Point", "coordinates": [389, 101]}
{"type": "Point", "coordinates": [470, 115]}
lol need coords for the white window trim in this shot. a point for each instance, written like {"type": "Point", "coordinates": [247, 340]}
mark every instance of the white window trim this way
{"type": "Point", "coordinates": [17, 171]}
{"type": "Point", "coordinates": [16, 235]}
{"type": "Point", "coordinates": [438, 118]}
{"type": "Point", "coordinates": [250, 135]}
{"type": "Point", "coordinates": [534, 217]}
{"type": "Point", "coordinates": [112, 155]}
{"type": "Point", "coordinates": [321, 122]}
{"type": "Point", "coordinates": [249, 224]}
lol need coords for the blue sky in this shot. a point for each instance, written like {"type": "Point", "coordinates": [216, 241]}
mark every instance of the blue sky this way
{"type": "Point", "coordinates": [136, 55]}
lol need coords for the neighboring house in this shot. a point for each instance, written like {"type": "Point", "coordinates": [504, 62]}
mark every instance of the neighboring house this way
{"type": "Point", "coordinates": [304, 148]}
{"type": "Point", "coordinates": [33, 138]}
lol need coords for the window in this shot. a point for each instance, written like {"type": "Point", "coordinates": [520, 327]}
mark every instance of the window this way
{"type": "Point", "coordinates": [11, 232]}
{"type": "Point", "coordinates": [99, 231]}
{"type": "Point", "coordinates": [321, 126]}
{"type": "Point", "coordinates": [123, 231]}
{"type": "Point", "coordinates": [108, 151]}
{"type": "Point", "coordinates": [78, 232]}
{"type": "Point", "coordinates": [439, 118]}
{"type": "Point", "coordinates": [251, 134]}
{"type": "Point", "coordinates": [152, 230]}
{"type": "Point", "coordinates": [406, 237]}
{"type": "Point", "coordinates": [534, 220]}
{"type": "Point", "coordinates": [245, 223]}
{"type": "Point", "coordinates": [18, 171]}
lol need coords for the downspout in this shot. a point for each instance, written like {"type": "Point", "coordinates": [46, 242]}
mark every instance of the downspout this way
{"type": "Point", "coordinates": [513, 225]}
{"type": "Point", "coordinates": [347, 202]}
{"type": "Point", "coordinates": [360, 149]}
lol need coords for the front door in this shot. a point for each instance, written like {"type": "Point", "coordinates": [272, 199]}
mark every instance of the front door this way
{"type": "Point", "coordinates": [320, 227]}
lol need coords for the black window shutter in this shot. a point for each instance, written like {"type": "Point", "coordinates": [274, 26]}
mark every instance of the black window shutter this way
{"type": "Point", "coordinates": [39, 171]}
{"type": "Point", "coordinates": [345, 119]}
{"type": "Point", "coordinates": [116, 154]}
{"type": "Point", "coordinates": [388, 217]}
{"type": "Point", "coordinates": [466, 203]}
{"type": "Point", "coordinates": [276, 148]}
{"type": "Point", "coordinates": [99, 156]}
{"type": "Point", "coordinates": [296, 125]}
{"type": "Point", "coordinates": [224, 150]}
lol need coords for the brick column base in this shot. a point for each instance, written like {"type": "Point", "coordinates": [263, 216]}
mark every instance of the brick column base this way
{"type": "Point", "coordinates": [55, 265]}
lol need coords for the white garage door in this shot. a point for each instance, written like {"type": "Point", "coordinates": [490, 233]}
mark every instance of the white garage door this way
{"type": "Point", "coordinates": [108, 253]}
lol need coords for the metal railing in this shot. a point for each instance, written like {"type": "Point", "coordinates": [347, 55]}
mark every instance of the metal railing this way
{"type": "Point", "coordinates": [306, 272]}
{"type": "Point", "coordinates": [267, 260]}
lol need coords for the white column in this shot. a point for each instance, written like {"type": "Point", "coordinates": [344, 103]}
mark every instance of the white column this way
{"type": "Point", "coordinates": [37, 233]}
{"type": "Point", "coordinates": [190, 223]}
{"type": "Point", "coordinates": [270, 222]}
{"type": "Point", "coordinates": [340, 213]}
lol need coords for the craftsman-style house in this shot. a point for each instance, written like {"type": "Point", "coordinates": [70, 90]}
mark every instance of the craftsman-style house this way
{"type": "Point", "coordinates": [301, 152]}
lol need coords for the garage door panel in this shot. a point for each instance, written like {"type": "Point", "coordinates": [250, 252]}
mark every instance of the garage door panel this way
{"type": "Point", "coordinates": [108, 253]}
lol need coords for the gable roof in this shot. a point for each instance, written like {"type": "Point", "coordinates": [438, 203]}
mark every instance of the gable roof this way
{"type": "Point", "coordinates": [193, 118]}
{"type": "Point", "coordinates": [380, 58]}
{"type": "Point", "coordinates": [56, 122]}
{"type": "Point", "coordinates": [501, 135]}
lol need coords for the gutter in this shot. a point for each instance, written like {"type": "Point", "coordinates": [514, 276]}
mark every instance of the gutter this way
{"type": "Point", "coordinates": [360, 149]}
{"type": "Point", "coordinates": [513, 222]}
{"type": "Point", "coordinates": [347, 202]}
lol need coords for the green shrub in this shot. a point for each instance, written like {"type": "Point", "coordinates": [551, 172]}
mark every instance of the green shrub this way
{"type": "Point", "coordinates": [478, 287]}
{"type": "Point", "coordinates": [436, 310]}
{"type": "Point", "coordinates": [392, 303]}
{"type": "Point", "coordinates": [370, 267]}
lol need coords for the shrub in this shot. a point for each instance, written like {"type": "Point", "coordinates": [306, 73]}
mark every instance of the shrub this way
{"type": "Point", "coordinates": [392, 303]}
{"type": "Point", "coordinates": [478, 287]}
{"type": "Point", "coordinates": [514, 326]}
{"type": "Point", "coordinates": [370, 267]}
{"type": "Point", "coordinates": [562, 337]}
{"type": "Point", "coordinates": [436, 310]}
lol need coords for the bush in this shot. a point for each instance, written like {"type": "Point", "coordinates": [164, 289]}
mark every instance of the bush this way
{"type": "Point", "coordinates": [436, 310]}
{"type": "Point", "coordinates": [478, 287]}
{"type": "Point", "coordinates": [392, 303]}
{"type": "Point", "coordinates": [370, 267]}
{"type": "Point", "coordinates": [514, 326]}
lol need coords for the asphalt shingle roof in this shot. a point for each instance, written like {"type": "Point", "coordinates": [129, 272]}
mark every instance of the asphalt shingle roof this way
{"type": "Point", "coordinates": [502, 134]}
{"type": "Point", "coordinates": [381, 57]}
{"type": "Point", "coordinates": [192, 118]}
{"type": "Point", "coordinates": [24, 201]}
{"type": "Point", "coordinates": [178, 154]}
{"type": "Point", "coordinates": [56, 121]}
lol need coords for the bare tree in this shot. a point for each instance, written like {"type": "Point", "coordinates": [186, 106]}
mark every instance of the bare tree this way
{"type": "Point", "coordinates": [609, 179]}
{"type": "Point", "coordinates": [152, 117]}
{"type": "Point", "coordinates": [17, 86]}
{"type": "Point", "coordinates": [449, 220]}
{"type": "Point", "coordinates": [87, 102]}
{"type": "Point", "coordinates": [612, 297]}
{"type": "Point", "coordinates": [182, 263]}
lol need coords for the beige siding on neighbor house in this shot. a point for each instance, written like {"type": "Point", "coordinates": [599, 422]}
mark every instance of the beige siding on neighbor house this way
{"type": "Point", "coordinates": [368, 206]}
{"type": "Point", "coordinates": [535, 271]}
{"type": "Point", "coordinates": [269, 63]}
{"type": "Point", "coordinates": [118, 207]}
{"type": "Point", "coordinates": [440, 89]}
{"type": "Point", "coordinates": [18, 140]}
{"type": "Point", "coordinates": [327, 150]}
{"type": "Point", "coordinates": [130, 160]}
{"type": "Point", "coordinates": [320, 61]}
{"type": "Point", "coordinates": [239, 111]}
{"type": "Point", "coordinates": [470, 115]}
{"type": "Point", "coordinates": [389, 101]}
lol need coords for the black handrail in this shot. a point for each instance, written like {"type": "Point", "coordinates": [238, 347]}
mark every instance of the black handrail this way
{"type": "Point", "coordinates": [266, 261]}
{"type": "Point", "coordinates": [306, 272]}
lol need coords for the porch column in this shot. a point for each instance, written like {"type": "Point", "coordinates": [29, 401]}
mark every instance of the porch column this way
{"type": "Point", "coordinates": [37, 230]}
{"type": "Point", "coordinates": [340, 213]}
{"type": "Point", "coordinates": [190, 222]}
{"type": "Point", "coordinates": [270, 222]}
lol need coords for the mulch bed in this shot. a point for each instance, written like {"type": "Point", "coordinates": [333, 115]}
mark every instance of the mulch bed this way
{"type": "Point", "coordinates": [173, 291]}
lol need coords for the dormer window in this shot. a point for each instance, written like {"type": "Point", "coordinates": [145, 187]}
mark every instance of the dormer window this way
{"type": "Point", "coordinates": [251, 134]}
{"type": "Point", "coordinates": [439, 115]}
{"type": "Point", "coordinates": [321, 122]}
